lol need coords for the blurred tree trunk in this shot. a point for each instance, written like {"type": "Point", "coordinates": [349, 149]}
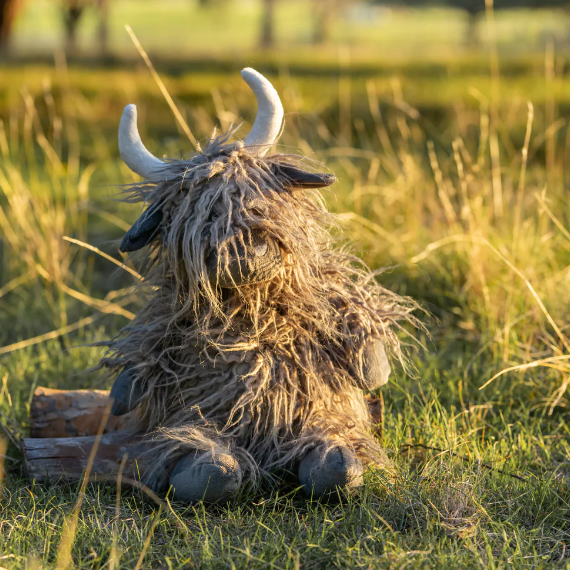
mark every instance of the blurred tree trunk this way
{"type": "Point", "coordinates": [472, 35]}
{"type": "Point", "coordinates": [8, 11]}
{"type": "Point", "coordinates": [268, 24]}
{"type": "Point", "coordinates": [324, 12]}
{"type": "Point", "coordinates": [211, 3]}
{"type": "Point", "coordinates": [72, 12]}
{"type": "Point", "coordinates": [103, 6]}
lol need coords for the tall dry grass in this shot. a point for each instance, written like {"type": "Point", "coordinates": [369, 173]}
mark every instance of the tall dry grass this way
{"type": "Point", "coordinates": [473, 218]}
{"type": "Point", "coordinates": [473, 222]}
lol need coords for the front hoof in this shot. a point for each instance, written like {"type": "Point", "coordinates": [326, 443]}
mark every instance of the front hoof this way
{"type": "Point", "coordinates": [323, 472]}
{"type": "Point", "coordinates": [212, 477]}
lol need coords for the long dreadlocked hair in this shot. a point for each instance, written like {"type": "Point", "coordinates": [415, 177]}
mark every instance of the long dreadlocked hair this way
{"type": "Point", "coordinates": [268, 369]}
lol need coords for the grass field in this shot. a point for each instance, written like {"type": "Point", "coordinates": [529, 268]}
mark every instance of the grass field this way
{"type": "Point", "coordinates": [451, 175]}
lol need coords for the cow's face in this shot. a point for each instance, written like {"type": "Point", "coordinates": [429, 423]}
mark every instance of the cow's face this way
{"type": "Point", "coordinates": [226, 218]}
{"type": "Point", "coordinates": [219, 219]}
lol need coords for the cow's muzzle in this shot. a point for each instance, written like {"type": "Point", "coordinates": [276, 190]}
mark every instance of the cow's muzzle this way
{"type": "Point", "coordinates": [255, 260]}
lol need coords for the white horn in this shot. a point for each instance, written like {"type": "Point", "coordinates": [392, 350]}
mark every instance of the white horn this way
{"type": "Point", "coordinates": [269, 112]}
{"type": "Point", "coordinates": [133, 151]}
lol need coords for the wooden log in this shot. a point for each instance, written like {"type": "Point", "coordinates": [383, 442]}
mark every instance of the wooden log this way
{"type": "Point", "coordinates": [376, 407]}
{"type": "Point", "coordinates": [70, 413]}
{"type": "Point", "coordinates": [52, 459]}
{"type": "Point", "coordinates": [75, 413]}
{"type": "Point", "coordinates": [63, 427]}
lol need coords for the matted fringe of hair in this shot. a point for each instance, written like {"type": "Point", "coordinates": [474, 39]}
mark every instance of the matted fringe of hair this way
{"type": "Point", "coordinates": [267, 370]}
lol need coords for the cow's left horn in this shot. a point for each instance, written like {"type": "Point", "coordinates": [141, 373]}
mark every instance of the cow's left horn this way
{"type": "Point", "coordinates": [133, 151]}
{"type": "Point", "coordinates": [269, 112]}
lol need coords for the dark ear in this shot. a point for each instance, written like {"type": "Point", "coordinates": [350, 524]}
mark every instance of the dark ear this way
{"type": "Point", "coordinates": [294, 177]}
{"type": "Point", "coordinates": [144, 230]}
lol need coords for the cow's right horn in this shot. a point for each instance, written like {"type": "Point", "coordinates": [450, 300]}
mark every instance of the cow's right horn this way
{"type": "Point", "coordinates": [269, 119]}
{"type": "Point", "coordinates": [133, 151]}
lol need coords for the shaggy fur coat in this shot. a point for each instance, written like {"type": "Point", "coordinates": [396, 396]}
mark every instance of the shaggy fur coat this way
{"type": "Point", "coordinates": [266, 371]}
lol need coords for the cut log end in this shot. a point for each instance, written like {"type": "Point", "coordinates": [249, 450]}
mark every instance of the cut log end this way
{"type": "Point", "coordinates": [376, 407]}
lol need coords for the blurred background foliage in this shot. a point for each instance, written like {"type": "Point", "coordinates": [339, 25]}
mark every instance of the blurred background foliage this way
{"type": "Point", "coordinates": [377, 28]}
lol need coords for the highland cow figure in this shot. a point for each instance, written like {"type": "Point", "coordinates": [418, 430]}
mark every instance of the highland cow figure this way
{"type": "Point", "coordinates": [259, 340]}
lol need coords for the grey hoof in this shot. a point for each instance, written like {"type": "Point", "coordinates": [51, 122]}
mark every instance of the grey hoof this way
{"type": "Point", "coordinates": [212, 477]}
{"type": "Point", "coordinates": [126, 392]}
{"type": "Point", "coordinates": [322, 473]}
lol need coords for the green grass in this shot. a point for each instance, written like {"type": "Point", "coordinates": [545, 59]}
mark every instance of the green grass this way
{"type": "Point", "coordinates": [419, 171]}
{"type": "Point", "coordinates": [439, 512]}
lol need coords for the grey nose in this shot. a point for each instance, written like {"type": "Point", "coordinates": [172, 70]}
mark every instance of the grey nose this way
{"type": "Point", "coordinates": [256, 260]}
